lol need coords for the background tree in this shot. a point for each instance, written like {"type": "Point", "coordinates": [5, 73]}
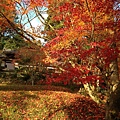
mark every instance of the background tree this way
{"type": "Point", "coordinates": [30, 59]}
{"type": "Point", "coordinates": [12, 42]}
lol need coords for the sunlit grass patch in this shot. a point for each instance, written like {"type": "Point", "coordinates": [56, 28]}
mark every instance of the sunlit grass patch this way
{"type": "Point", "coordinates": [30, 104]}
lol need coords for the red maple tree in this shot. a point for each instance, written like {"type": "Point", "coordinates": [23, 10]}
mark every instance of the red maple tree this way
{"type": "Point", "coordinates": [85, 50]}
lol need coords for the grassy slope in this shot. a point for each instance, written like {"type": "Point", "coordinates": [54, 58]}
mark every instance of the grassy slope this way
{"type": "Point", "coordinates": [46, 103]}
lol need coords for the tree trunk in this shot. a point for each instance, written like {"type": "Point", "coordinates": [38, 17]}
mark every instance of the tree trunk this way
{"type": "Point", "coordinates": [113, 105]}
{"type": "Point", "coordinates": [113, 102]}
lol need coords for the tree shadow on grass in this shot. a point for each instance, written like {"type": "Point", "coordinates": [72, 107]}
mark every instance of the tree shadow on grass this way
{"type": "Point", "coordinates": [80, 109]}
{"type": "Point", "coordinates": [85, 109]}
{"type": "Point", "coordinates": [33, 88]}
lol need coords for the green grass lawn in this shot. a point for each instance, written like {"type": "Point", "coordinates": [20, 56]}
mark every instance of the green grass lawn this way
{"type": "Point", "coordinates": [25, 102]}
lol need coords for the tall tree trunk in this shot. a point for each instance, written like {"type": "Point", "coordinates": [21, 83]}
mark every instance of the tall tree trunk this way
{"type": "Point", "coordinates": [113, 105]}
{"type": "Point", "coordinates": [113, 102]}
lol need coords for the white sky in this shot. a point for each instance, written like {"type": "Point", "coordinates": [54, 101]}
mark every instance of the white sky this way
{"type": "Point", "coordinates": [35, 22]}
